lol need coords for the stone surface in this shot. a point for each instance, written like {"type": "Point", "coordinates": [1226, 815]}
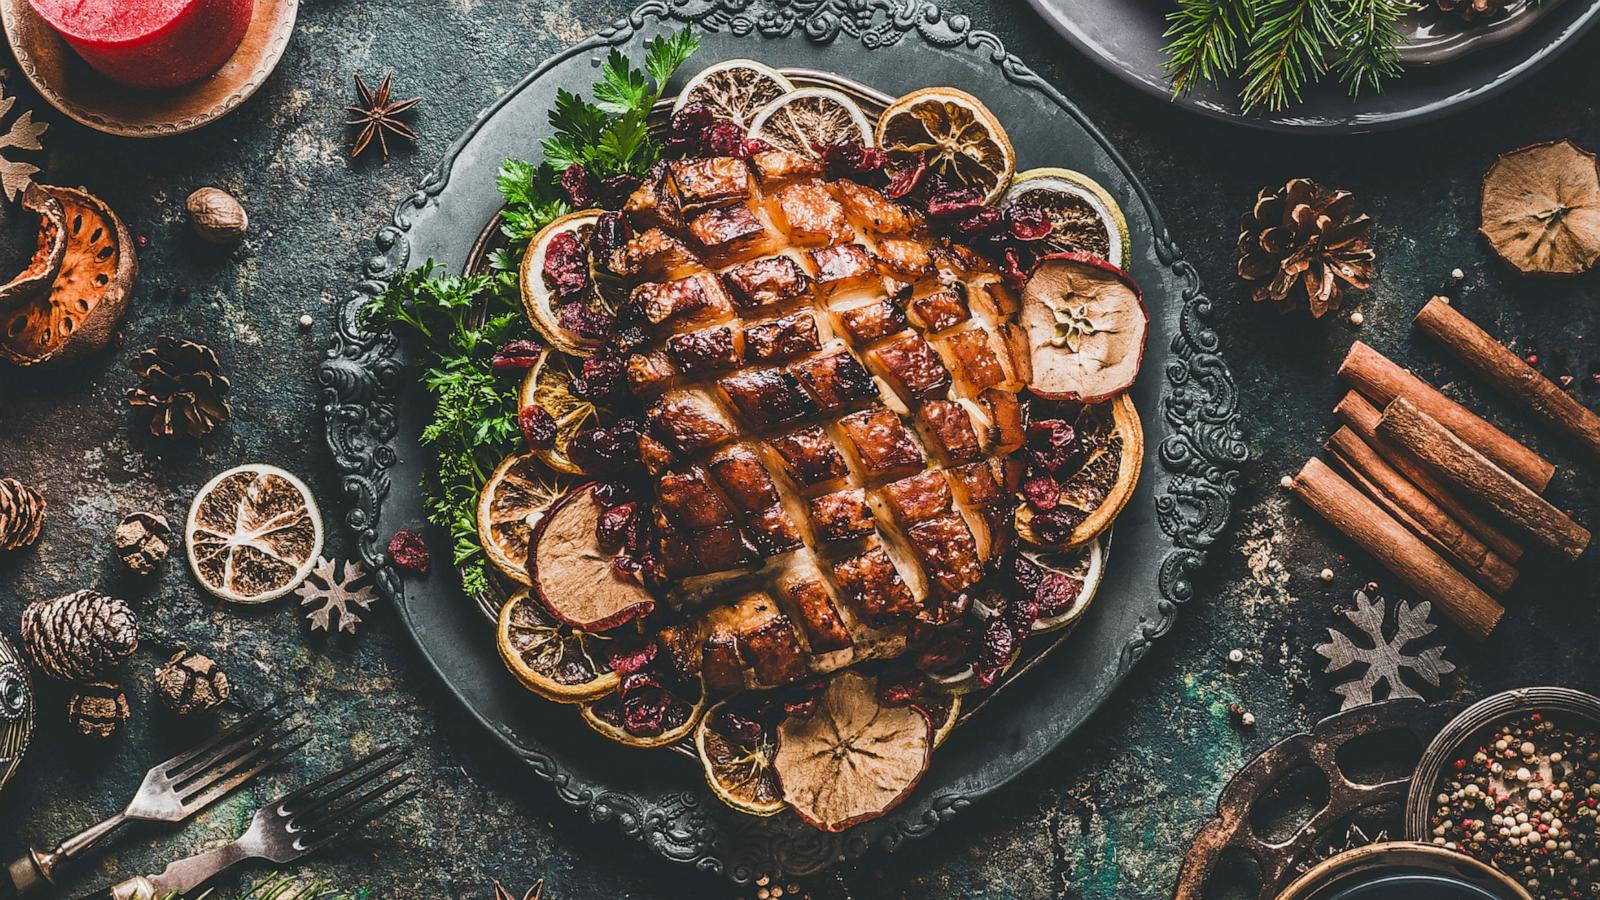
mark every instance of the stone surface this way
{"type": "Point", "coordinates": [1105, 819]}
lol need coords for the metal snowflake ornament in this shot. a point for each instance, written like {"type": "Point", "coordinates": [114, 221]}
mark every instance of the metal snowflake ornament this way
{"type": "Point", "coordinates": [332, 589]}
{"type": "Point", "coordinates": [22, 134]}
{"type": "Point", "coordinates": [1387, 658]}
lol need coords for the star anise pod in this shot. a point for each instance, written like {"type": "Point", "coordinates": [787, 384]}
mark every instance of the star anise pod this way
{"type": "Point", "coordinates": [534, 893]}
{"type": "Point", "coordinates": [377, 115]}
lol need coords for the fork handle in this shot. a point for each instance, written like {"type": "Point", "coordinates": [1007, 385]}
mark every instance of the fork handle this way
{"type": "Point", "coordinates": [34, 872]}
{"type": "Point", "coordinates": [137, 888]}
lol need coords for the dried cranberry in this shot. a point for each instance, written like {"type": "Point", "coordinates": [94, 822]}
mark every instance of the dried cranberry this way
{"type": "Point", "coordinates": [1055, 526]}
{"type": "Point", "coordinates": [752, 146]}
{"type": "Point", "coordinates": [1023, 573]}
{"type": "Point", "coordinates": [601, 379]}
{"type": "Point", "coordinates": [577, 186]}
{"type": "Point", "coordinates": [408, 552]}
{"type": "Point", "coordinates": [1053, 445]}
{"type": "Point", "coordinates": [977, 222]}
{"type": "Point", "coordinates": [1056, 594]}
{"type": "Point", "coordinates": [998, 645]}
{"type": "Point", "coordinates": [739, 727]}
{"type": "Point", "coordinates": [801, 701]}
{"type": "Point", "coordinates": [652, 574]}
{"type": "Point", "coordinates": [1028, 223]}
{"type": "Point", "coordinates": [615, 525]}
{"type": "Point", "coordinates": [614, 191]}
{"type": "Point", "coordinates": [724, 138]}
{"type": "Point", "coordinates": [852, 159]}
{"type": "Point", "coordinates": [538, 428]}
{"type": "Point", "coordinates": [1020, 613]}
{"type": "Point", "coordinates": [579, 319]}
{"type": "Point", "coordinates": [906, 180]}
{"type": "Point", "coordinates": [630, 660]}
{"type": "Point", "coordinates": [691, 121]}
{"type": "Point", "coordinates": [1041, 491]}
{"type": "Point", "coordinates": [945, 653]}
{"type": "Point", "coordinates": [1013, 269]}
{"type": "Point", "coordinates": [951, 204]}
{"type": "Point", "coordinates": [611, 233]}
{"type": "Point", "coordinates": [598, 451]}
{"type": "Point", "coordinates": [517, 356]}
{"type": "Point", "coordinates": [566, 265]}
{"type": "Point", "coordinates": [899, 687]}
{"type": "Point", "coordinates": [644, 705]}
{"type": "Point", "coordinates": [626, 568]}
{"type": "Point", "coordinates": [612, 493]}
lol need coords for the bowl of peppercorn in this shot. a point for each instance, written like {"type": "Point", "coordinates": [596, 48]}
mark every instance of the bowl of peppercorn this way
{"type": "Point", "coordinates": [1514, 781]}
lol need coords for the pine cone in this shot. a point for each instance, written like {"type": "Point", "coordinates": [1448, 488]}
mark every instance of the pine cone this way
{"type": "Point", "coordinates": [79, 636]}
{"type": "Point", "coordinates": [98, 709]}
{"type": "Point", "coordinates": [1308, 237]}
{"type": "Point", "coordinates": [1469, 10]}
{"type": "Point", "coordinates": [191, 682]}
{"type": "Point", "coordinates": [21, 514]}
{"type": "Point", "coordinates": [182, 384]}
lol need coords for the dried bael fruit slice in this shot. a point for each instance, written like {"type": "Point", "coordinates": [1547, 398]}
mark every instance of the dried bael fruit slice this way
{"type": "Point", "coordinates": [517, 495]}
{"type": "Point", "coordinates": [1084, 217]}
{"type": "Point", "coordinates": [541, 298]}
{"type": "Point", "coordinates": [42, 269]}
{"type": "Point", "coordinates": [1086, 327]}
{"type": "Point", "coordinates": [805, 119]}
{"type": "Point", "coordinates": [551, 659]}
{"type": "Point", "coordinates": [738, 766]}
{"type": "Point", "coordinates": [644, 712]}
{"type": "Point", "coordinates": [1111, 450]}
{"type": "Point", "coordinates": [253, 534]}
{"type": "Point", "coordinates": [1541, 209]}
{"type": "Point", "coordinates": [572, 576]}
{"type": "Point", "coordinates": [79, 313]}
{"type": "Point", "coordinates": [735, 89]}
{"type": "Point", "coordinates": [548, 385]}
{"type": "Point", "coordinates": [961, 141]}
{"type": "Point", "coordinates": [853, 759]}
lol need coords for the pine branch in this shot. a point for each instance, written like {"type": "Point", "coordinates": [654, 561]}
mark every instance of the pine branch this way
{"type": "Point", "coordinates": [1205, 40]}
{"type": "Point", "coordinates": [1286, 50]}
{"type": "Point", "coordinates": [1370, 40]}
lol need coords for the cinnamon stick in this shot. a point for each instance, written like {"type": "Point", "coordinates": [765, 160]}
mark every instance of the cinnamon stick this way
{"type": "Point", "coordinates": [1413, 508]}
{"type": "Point", "coordinates": [1508, 373]}
{"type": "Point", "coordinates": [1362, 418]}
{"type": "Point", "coordinates": [1453, 460]}
{"type": "Point", "coordinates": [1381, 380]}
{"type": "Point", "coordinates": [1400, 551]}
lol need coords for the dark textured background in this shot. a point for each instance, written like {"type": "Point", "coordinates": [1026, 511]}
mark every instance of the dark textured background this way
{"type": "Point", "coordinates": [1105, 818]}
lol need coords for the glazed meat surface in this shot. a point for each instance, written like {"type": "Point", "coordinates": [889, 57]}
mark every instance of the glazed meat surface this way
{"type": "Point", "coordinates": [830, 393]}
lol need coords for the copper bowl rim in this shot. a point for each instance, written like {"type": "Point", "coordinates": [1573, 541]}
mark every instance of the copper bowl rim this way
{"type": "Point", "coordinates": [1408, 853]}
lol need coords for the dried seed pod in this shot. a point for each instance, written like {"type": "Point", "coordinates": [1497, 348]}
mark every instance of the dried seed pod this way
{"type": "Point", "coordinates": [143, 541]}
{"type": "Point", "coordinates": [191, 682]}
{"type": "Point", "coordinates": [98, 709]}
{"type": "Point", "coordinates": [216, 215]}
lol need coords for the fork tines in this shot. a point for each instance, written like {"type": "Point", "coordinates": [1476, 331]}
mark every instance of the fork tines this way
{"type": "Point", "coordinates": [343, 801]}
{"type": "Point", "coordinates": [232, 757]}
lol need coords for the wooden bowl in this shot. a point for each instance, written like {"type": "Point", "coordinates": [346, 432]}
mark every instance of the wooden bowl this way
{"type": "Point", "coordinates": [86, 96]}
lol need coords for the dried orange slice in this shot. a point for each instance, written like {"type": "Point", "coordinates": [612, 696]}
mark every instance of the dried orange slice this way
{"type": "Point", "coordinates": [539, 298]}
{"type": "Point", "coordinates": [854, 758]}
{"type": "Point", "coordinates": [739, 773]}
{"type": "Point", "coordinates": [549, 385]}
{"type": "Point", "coordinates": [554, 660]}
{"type": "Point", "coordinates": [79, 313]}
{"type": "Point", "coordinates": [1085, 217]}
{"type": "Point", "coordinates": [1086, 327]}
{"type": "Point", "coordinates": [683, 711]}
{"type": "Point", "coordinates": [517, 495]}
{"type": "Point", "coordinates": [1080, 566]}
{"type": "Point", "coordinates": [805, 119]}
{"type": "Point", "coordinates": [253, 534]}
{"type": "Point", "coordinates": [962, 141]}
{"type": "Point", "coordinates": [42, 269]}
{"type": "Point", "coordinates": [734, 89]}
{"type": "Point", "coordinates": [1094, 495]}
{"type": "Point", "coordinates": [943, 711]}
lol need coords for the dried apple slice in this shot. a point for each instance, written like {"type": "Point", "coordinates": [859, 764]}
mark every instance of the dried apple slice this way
{"type": "Point", "coordinates": [572, 576]}
{"type": "Point", "coordinates": [1086, 327]}
{"type": "Point", "coordinates": [853, 759]}
{"type": "Point", "coordinates": [1541, 209]}
{"type": "Point", "coordinates": [42, 269]}
{"type": "Point", "coordinates": [80, 311]}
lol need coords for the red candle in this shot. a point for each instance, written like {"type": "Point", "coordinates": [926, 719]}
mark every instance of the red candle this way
{"type": "Point", "coordinates": [150, 43]}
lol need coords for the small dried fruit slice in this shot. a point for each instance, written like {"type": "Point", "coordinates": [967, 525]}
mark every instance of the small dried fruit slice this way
{"type": "Point", "coordinates": [1085, 217]}
{"type": "Point", "coordinates": [554, 660]}
{"type": "Point", "coordinates": [80, 311]}
{"type": "Point", "coordinates": [538, 295]}
{"type": "Point", "coordinates": [684, 707]}
{"type": "Point", "coordinates": [1541, 209]}
{"type": "Point", "coordinates": [1079, 567]}
{"type": "Point", "coordinates": [740, 773]}
{"type": "Point", "coordinates": [854, 758]}
{"type": "Point", "coordinates": [253, 534]}
{"type": "Point", "coordinates": [1095, 493]}
{"type": "Point", "coordinates": [805, 119]}
{"type": "Point", "coordinates": [959, 137]}
{"type": "Point", "coordinates": [517, 495]}
{"type": "Point", "coordinates": [572, 576]}
{"type": "Point", "coordinates": [549, 385]}
{"type": "Point", "coordinates": [735, 89]}
{"type": "Point", "coordinates": [943, 710]}
{"type": "Point", "coordinates": [1086, 328]}
{"type": "Point", "coordinates": [42, 269]}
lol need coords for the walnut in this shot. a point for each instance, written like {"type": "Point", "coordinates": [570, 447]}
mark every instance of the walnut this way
{"type": "Point", "coordinates": [217, 217]}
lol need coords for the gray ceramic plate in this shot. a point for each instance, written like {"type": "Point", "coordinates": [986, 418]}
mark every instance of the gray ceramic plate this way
{"type": "Point", "coordinates": [1449, 68]}
{"type": "Point", "coordinates": [375, 409]}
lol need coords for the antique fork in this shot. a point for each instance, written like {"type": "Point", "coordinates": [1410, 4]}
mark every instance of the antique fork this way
{"type": "Point", "coordinates": [287, 828]}
{"type": "Point", "coordinates": [172, 791]}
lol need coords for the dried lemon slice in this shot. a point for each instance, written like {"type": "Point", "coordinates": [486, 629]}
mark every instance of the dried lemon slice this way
{"type": "Point", "coordinates": [1080, 566]}
{"type": "Point", "coordinates": [680, 717]}
{"type": "Point", "coordinates": [253, 534]}
{"type": "Point", "coordinates": [1085, 217]}
{"type": "Point", "coordinates": [960, 139]}
{"type": "Point", "coordinates": [804, 119]}
{"type": "Point", "coordinates": [549, 385]}
{"type": "Point", "coordinates": [517, 495]}
{"type": "Point", "coordinates": [739, 773]}
{"type": "Point", "coordinates": [734, 89]}
{"type": "Point", "coordinates": [555, 661]}
{"type": "Point", "coordinates": [539, 299]}
{"type": "Point", "coordinates": [943, 711]}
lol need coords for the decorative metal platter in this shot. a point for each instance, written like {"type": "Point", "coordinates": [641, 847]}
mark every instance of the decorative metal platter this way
{"type": "Point", "coordinates": [375, 409]}
{"type": "Point", "coordinates": [1448, 67]}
